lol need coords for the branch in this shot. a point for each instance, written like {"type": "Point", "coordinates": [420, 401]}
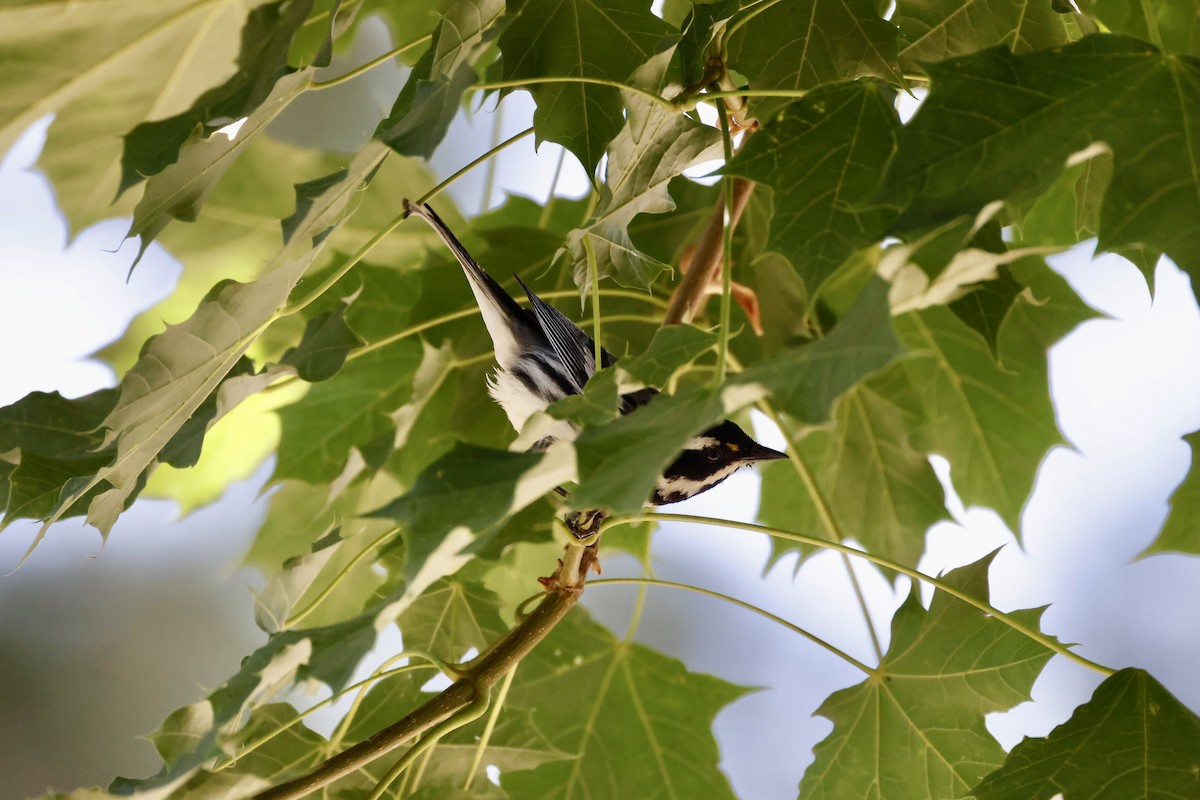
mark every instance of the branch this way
{"type": "Point", "coordinates": [690, 292]}
{"type": "Point", "coordinates": [478, 676]}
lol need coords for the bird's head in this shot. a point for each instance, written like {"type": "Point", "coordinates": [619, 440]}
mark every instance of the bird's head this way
{"type": "Point", "coordinates": [707, 460]}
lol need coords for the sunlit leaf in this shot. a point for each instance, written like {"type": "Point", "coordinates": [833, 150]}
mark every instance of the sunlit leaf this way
{"type": "Point", "coordinates": [934, 30]}
{"type": "Point", "coordinates": [654, 146]}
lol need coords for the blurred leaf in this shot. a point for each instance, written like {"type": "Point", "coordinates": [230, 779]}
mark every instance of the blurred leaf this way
{"type": "Point", "coordinates": [636, 719]}
{"type": "Point", "coordinates": [1181, 531]}
{"type": "Point", "coordinates": [905, 745]}
{"type": "Point", "coordinates": [825, 156]}
{"type": "Point", "coordinates": [934, 30]}
{"type": "Point", "coordinates": [152, 147]}
{"type": "Point", "coordinates": [1132, 739]}
{"type": "Point", "coordinates": [800, 45]}
{"type": "Point", "coordinates": [431, 97]}
{"type": "Point", "coordinates": [654, 146]}
{"type": "Point", "coordinates": [1000, 126]}
{"type": "Point", "coordinates": [880, 489]}
{"type": "Point", "coordinates": [323, 349]}
{"type": "Point", "coordinates": [49, 441]}
{"type": "Point", "coordinates": [985, 308]}
{"type": "Point", "coordinates": [350, 410]}
{"type": "Point", "coordinates": [1178, 21]}
{"type": "Point", "coordinates": [178, 191]}
{"type": "Point", "coordinates": [605, 40]}
{"type": "Point", "coordinates": [97, 68]}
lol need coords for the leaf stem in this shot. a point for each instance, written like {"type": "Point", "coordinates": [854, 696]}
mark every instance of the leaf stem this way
{"type": "Point", "coordinates": [825, 513]}
{"type": "Point", "coordinates": [1152, 24]}
{"type": "Point", "coordinates": [473, 711]}
{"type": "Point", "coordinates": [521, 83]}
{"type": "Point", "coordinates": [370, 65]}
{"type": "Point", "coordinates": [726, 250]}
{"type": "Point", "coordinates": [544, 218]}
{"type": "Point", "coordinates": [812, 637]}
{"type": "Point", "coordinates": [490, 726]}
{"type": "Point", "coordinates": [813, 541]}
{"type": "Point", "coordinates": [435, 191]}
{"type": "Point", "coordinates": [594, 276]}
{"type": "Point", "coordinates": [299, 616]}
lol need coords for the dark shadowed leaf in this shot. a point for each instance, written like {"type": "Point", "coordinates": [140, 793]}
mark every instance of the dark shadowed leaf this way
{"type": "Point", "coordinates": [606, 40]}
{"type": "Point", "coordinates": [1132, 739]}
{"type": "Point", "coordinates": [889, 739]}
{"type": "Point", "coordinates": [934, 30]}
{"type": "Point", "coordinates": [323, 349]}
{"type": "Point", "coordinates": [825, 157]}
{"type": "Point", "coordinates": [637, 719]}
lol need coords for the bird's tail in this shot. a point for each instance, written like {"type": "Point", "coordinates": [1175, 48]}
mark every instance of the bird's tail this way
{"type": "Point", "coordinates": [504, 318]}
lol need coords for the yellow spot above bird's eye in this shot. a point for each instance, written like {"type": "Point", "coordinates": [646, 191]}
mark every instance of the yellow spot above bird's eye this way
{"type": "Point", "coordinates": [732, 446]}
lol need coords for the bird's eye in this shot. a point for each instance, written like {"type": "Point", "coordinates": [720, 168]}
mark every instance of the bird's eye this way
{"type": "Point", "coordinates": [713, 455]}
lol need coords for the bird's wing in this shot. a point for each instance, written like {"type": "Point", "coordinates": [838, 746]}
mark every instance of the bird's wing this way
{"type": "Point", "coordinates": [574, 347]}
{"type": "Point", "coordinates": [508, 324]}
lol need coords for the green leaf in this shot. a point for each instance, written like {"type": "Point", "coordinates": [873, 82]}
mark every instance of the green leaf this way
{"type": "Point", "coordinates": [934, 30]}
{"type": "Point", "coordinates": [792, 46]}
{"type": "Point", "coordinates": [993, 422]}
{"type": "Point", "coordinates": [431, 97]}
{"type": "Point", "coordinates": [350, 410]}
{"type": "Point", "coordinates": [825, 157]}
{"type": "Point", "coordinates": [604, 40]}
{"type": "Point", "coordinates": [653, 147]}
{"type": "Point", "coordinates": [1132, 739]}
{"type": "Point", "coordinates": [462, 498]}
{"type": "Point", "coordinates": [880, 489]}
{"type": "Point", "coordinates": [985, 308]}
{"type": "Point", "coordinates": [151, 147]}
{"type": "Point", "coordinates": [48, 441]}
{"type": "Point", "coordinates": [179, 190]}
{"type": "Point", "coordinates": [596, 405]}
{"type": "Point", "coordinates": [637, 720]}
{"type": "Point", "coordinates": [699, 38]}
{"type": "Point", "coordinates": [619, 462]}
{"type": "Point", "coordinates": [890, 738]}
{"type": "Point", "coordinates": [671, 349]}
{"type": "Point", "coordinates": [326, 343]}
{"type": "Point", "coordinates": [1177, 22]}
{"type": "Point", "coordinates": [998, 126]}
{"type": "Point", "coordinates": [1181, 531]}
{"type": "Point", "coordinates": [805, 381]}
{"type": "Point", "coordinates": [98, 69]}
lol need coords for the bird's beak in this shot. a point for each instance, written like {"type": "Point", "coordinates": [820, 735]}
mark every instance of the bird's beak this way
{"type": "Point", "coordinates": [760, 453]}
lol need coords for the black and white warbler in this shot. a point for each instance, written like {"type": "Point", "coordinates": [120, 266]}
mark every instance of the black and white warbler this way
{"type": "Point", "coordinates": [544, 357]}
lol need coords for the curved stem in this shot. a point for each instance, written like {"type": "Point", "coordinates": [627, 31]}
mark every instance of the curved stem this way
{"type": "Point", "coordinates": [477, 759]}
{"type": "Point", "coordinates": [751, 11]}
{"type": "Point", "coordinates": [812, 637]}
{"type": "Point", "coordinates": [370, 65]}
{"type": "Point", "coordinates": [594, 277]}
{"type": "Point", "coordinates": [337, 579]}
{"type": "Point", "coordinates": [1152, 24]}
{"type": "Point", "coordinates": [523, 82]}
{"type": "Point", "coordinates": [364, 684]}
{"type": "Point", "coordinates": [544, 217]}
{"type": "Point", "coordinates": [435, 191]}
{"type": "Point", "coordinates": [473, 711]}
{"type": "Point", "coordinates": [937, 583]}
{"type": "Point", "coordinates": [825, 514]}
